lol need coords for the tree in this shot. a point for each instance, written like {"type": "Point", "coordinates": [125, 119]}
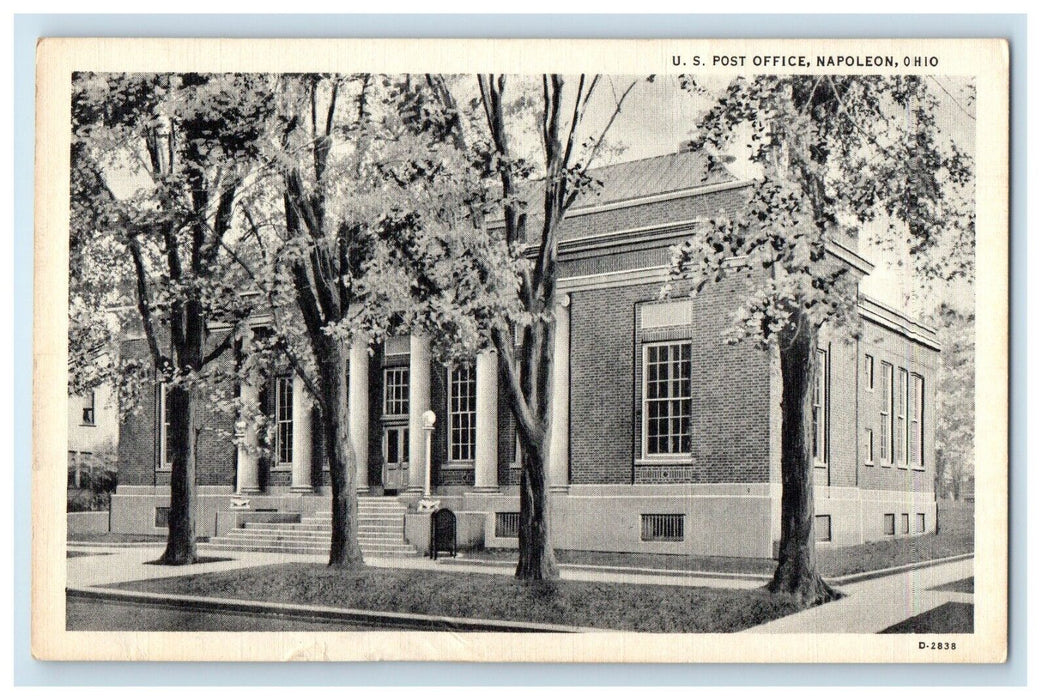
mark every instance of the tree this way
{"type": "Point", "coordinates": [834, 154]}
{"type": "Point", "coordinates": [955, 401]}
{"type": "Point", "coordinates": [373, 195]}
{"type": "Point", "coordinates": [181, 145]}
{"type": "Point", "coordinates": [566, 155]}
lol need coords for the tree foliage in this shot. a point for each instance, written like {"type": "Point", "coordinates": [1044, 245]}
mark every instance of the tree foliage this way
{"type": "Point", "coordinates": [834, 155]}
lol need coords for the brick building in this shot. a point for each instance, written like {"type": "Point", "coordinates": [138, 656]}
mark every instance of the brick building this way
{"type": "Point", "coordinates": [664, 438]}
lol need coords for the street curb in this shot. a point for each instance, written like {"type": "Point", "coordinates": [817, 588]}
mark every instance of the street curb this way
{"type": "Point", "coordinates": [879, 573]}
{"type": "Point", "coordinates": [397, 620]}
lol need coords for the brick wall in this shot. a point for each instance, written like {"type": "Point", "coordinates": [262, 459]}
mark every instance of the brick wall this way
{"type": "Point", "coordinates": [729, 390]}
{"type": "Point", "coordinates": [136, 459]}
{"type": "Point", "coordinates": [890, 346]}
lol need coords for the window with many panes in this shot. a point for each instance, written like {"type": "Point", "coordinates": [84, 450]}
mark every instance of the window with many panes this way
{"type": "Point", "coordinates": [284, 419]}
{"type": "Point", "coordinates": [902, 432]}
{"type": "Point", "coordinates": [820, 394]}
{"type": "Point", "coordinates": [88, 408]}
{"type": "Point", "coordinates": [917, 422]}
{"type": "Point", "coordinates": [166, 440]}
{"type": "Point", "coordinates": [462, 414]}
{"type": "Point", "coordinates": [887, 389]}
{"type": "Point", "coordinates": [667, 399]}
{"type": "Point", "coordinates": [395, 392]}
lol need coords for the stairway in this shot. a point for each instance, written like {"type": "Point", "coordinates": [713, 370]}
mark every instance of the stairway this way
{"type": "Point", "coordinates": [380, 532]}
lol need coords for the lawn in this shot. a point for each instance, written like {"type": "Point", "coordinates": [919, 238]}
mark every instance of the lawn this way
{"type": "Point", "coordinates": [580, 603]}
{"type": "Point", "coordinates": [113, 537]}
{"type": "Point", "coordinates": [948, 618]}
{"type": "Point", "coordinates": [956, 536]}
{"type": "Point", "coordinates": [672, 562]}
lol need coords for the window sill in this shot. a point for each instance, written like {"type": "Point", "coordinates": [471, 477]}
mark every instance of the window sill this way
{"type": "Point", "coordinates": [280, 468]}
{"type": "Point", "coordinates": [672, 461]}
{"type": "Point", "coordinates": [918, 469]}
{"type": "Point", "coordinates": [868, 463]}
{"type": "Point", "coordinates": [819, 465]}
{"type": "Point", "coordinates": [89, 425]}
{"type": "Point", "coordinates": [459, 464]}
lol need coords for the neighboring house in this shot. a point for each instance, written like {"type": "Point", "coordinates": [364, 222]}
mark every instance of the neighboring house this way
{"type": "Point", "coordinates": [664, 438]}
{"type": "Point", "coordinates": [93, 430]}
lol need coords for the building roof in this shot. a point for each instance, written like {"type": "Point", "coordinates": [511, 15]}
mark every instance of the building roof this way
{"type": "Point", "coordinates": [635, 180]}
{"type": "Point", "coordinates": [672, 172]}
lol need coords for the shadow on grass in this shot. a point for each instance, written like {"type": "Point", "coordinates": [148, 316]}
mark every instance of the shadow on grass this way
{"type": "Point", "coordinates": [200, 560]}
{"type": "Point", "coordinates": [948, 618]}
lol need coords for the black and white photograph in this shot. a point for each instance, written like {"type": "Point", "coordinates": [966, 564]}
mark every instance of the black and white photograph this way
{"type": "Point", "coordinates": [688, 349]}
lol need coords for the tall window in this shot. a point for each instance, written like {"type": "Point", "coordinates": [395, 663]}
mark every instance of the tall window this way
{"type": "Point", "coordinates": [902, 431]}
{"type": "Point", "coordinates": [396, 391]}
{"type": "Point", "coordinates": [667, 399]}
{"type": "Point", "coordinates": [166, 442]}
{"type": "Point", "coordinates": [868, 372]}
{"type": "Point", "coordinates": [917, 422]}
{"type": "Point", "coordinates": [88, 408]}
{"type": "Point", "coordinates": [462, 414]}
{"type": "Point", "coordinates": [887, 375]}
{"type": "Point", "coordinates": [820, 394]}
{"type": "Point", "coordinates": [868, 446]}
{"type": "Point", "coordinates": [284, 419]}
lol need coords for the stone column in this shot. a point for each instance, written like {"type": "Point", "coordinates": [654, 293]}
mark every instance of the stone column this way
{"type": "Point", "coordinates": [301, 437]}
{"type": "Point", "coordinates": [418, 402]}
{"type": "Point", "coordinates": [485, 474]}
{"type": "Point", "coordinates": [247, 448]}
{"type": "Point", "coordinates": [560, 396]}
{"type": "Point", "coordinates": [358, 410]}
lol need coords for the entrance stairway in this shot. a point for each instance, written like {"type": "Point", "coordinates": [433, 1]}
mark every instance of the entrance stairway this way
{"type": "Point", "coordinates": [380, 532]}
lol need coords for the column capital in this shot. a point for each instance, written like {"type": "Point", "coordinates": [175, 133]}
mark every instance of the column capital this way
{"type": "Point", "coordinates": [564, 300]}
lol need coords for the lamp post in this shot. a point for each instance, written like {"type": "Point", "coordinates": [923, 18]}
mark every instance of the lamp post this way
{"type": "Point", "coordinates": [429, 423]}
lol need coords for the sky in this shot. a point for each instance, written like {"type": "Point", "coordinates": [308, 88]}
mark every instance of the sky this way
{"type": "Point", "coordinates": [658, 117]}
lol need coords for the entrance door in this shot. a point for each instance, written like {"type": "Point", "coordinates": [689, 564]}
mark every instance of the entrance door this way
{"type": "Point", "coordinates": [395, 449]}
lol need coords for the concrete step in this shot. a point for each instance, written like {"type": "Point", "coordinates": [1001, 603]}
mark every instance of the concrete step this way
{"type": "Point", "coordinates": [308, 548]}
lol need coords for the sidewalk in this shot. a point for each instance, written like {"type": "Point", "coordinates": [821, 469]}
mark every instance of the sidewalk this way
{"type": "Point", "coordinates": [876, 604]}
{"type": "Point", "coordinates": [121, 564]}
{"type": "Point", "coordinates": [869, 605]}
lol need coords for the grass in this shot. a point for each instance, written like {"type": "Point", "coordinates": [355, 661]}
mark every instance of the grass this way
{"type": "Point", "coordinates": [113, 537]}
{"type": "Point", "coordinates": [956, 536]}
{"type": "Point", "coordinates": [580, 603]}
{"type": "Point", "coordinates": [965, 585]}
{"type": "Point", "coordinates": [948, 618]}
{"type": "Point", "coordinates": [673, 562]}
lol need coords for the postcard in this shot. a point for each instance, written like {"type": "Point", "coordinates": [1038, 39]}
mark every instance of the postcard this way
{"type": "Point", "coordinates": [521, 350]}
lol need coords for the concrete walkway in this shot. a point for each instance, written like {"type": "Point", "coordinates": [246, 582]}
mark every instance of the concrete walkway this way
{"type": "Point", "coordinates": [876, 604]}
{"type": "Point", "coordinates": [121, 564]}
{"type": "Point", "coordinates": [868, 606]}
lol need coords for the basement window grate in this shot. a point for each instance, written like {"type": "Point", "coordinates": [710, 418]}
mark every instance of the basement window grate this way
{"type": "Point", "coordinates": [160, 517]}
{"type": "Point", "coordinates": [507, 524]}
{"type": "Point", "coordinates": [662, 527]}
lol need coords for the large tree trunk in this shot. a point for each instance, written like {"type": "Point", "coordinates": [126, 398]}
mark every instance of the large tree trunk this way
{"type": "Point", "coordinates": [537, 561]}
{"type": "Point", "coordinates": [345, 549]}
{"type": "Point", "coordinates": [796, 575]}
{"type": "Point", "coordinates": [181, 523]}
{"type": "Point", "coordinates": [535, 545]}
